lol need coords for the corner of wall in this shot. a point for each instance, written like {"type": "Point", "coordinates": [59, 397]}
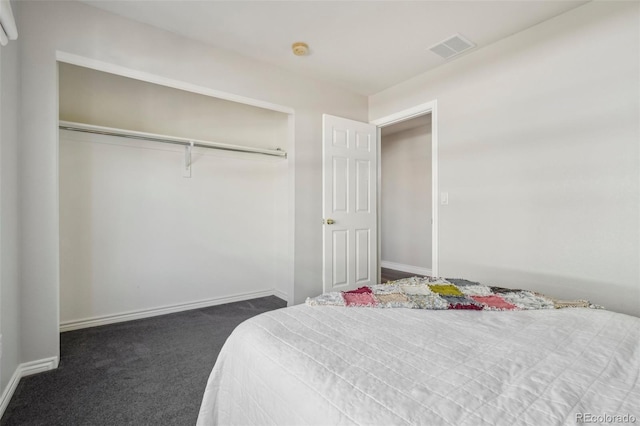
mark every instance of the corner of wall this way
{"type": "Point", "coordinates": [10, 350]}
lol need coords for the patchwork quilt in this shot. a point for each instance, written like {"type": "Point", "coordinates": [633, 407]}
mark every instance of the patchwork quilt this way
{"type": "Point", "coordinates": [441, 293]}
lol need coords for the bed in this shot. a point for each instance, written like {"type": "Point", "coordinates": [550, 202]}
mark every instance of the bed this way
{"type": "Point", "coordinates": [332, 365]}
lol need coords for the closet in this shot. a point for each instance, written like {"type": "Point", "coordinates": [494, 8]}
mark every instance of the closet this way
{"type": "Point", "coordinates": [154, 226]}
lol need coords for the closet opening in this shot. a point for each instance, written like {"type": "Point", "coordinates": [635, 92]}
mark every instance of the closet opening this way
{"type": "Point", "coordinates": [405, 213]}
{"type": "Point", "coordinates": [167, 199]}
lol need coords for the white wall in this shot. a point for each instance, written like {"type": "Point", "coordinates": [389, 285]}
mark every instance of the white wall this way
{"type": "Point", "coordinates": [135, 234]}
{"type": "Point", "coordinates": [538, 149]}
{"type": "Point", "coordinates": [9, 218]}
{"type": "Point", "coordinates": [406, 196]}
{"type": "Point", "coordinates": [47, 27]}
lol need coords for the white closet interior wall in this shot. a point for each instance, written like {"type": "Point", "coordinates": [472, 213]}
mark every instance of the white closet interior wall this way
{"type": "Point", "coordinates": [135, 235]}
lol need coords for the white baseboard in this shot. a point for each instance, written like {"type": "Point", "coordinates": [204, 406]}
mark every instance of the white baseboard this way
{"type": "Point", "coordinates": [405, 268]}
{"type": "Point", "coordinates": [9, 390]}
{"type": "Point", "coordinates": [163, 310]}
{"type": "Point", "coordinates": [39, 366]}
{"type": "Point", "coordinates": [23, 370]}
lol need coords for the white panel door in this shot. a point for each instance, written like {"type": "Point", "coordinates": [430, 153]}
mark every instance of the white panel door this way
{"type": "Point", "coordinates": [349, 161]}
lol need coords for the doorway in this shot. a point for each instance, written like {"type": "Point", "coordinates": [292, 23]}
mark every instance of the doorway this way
{"type": "Point", "coordinates": [405, 198]}
{"type": "Point", "coordinates": [408, 193]}
{"type": "Point", "coordinates": [339, 258]}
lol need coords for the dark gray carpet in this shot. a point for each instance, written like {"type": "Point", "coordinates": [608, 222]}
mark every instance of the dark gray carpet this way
{"type": "Point", "coordinates": [145, 372]}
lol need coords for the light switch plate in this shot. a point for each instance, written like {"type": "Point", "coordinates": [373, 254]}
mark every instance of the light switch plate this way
{"type": "Point", "coordinates": [444, 198]}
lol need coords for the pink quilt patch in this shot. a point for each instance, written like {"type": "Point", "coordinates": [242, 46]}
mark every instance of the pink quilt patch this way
{"type": "Point", "coordinates": [494, 302]}
{"type": "Point", "coordinates": [359, 299]}
{"type": "Point", "coordinates": [364, 289]}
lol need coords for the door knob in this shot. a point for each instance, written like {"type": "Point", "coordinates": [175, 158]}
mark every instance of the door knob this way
{"type": "Point", "coordinates": [330, 221]}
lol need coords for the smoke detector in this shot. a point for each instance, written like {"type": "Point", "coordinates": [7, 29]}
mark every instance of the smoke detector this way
{"type": "Point", "coordinates": [300, 48]}
{"type": "Point", "coordinates": [452, 46]}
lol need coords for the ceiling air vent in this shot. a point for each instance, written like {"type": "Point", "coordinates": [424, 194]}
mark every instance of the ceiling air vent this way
{"type": "Point", "coordinates": [452, 46]}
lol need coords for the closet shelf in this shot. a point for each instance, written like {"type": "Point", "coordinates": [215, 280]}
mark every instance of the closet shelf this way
{"type": "Point", "coordinates": [110, 131]}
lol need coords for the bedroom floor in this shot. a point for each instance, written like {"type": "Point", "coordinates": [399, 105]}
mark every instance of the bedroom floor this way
{"type": "Point", "coordinates": [387, 274]}
{"type": "Point", "coordinates": [145, 372]}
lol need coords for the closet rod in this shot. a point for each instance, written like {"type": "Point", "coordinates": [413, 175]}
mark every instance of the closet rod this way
{"type": "Point", "coordinates": [110, 131]}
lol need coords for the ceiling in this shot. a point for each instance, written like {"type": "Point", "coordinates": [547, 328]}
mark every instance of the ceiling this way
{"type": "Point", "coordinates": [364, 46]}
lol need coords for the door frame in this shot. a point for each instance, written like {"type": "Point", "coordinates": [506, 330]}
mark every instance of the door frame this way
{"type": "Point", "coordinates": [403, 115]}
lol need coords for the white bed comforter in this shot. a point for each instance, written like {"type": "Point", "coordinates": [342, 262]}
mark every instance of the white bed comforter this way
{"type": "Point", "coordinates": [308, 365]}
